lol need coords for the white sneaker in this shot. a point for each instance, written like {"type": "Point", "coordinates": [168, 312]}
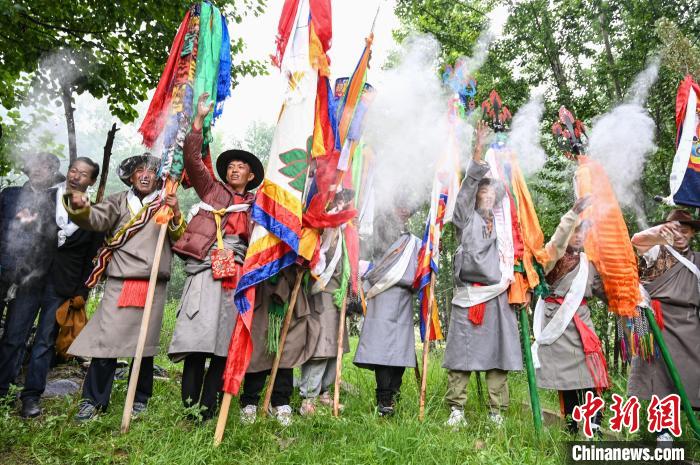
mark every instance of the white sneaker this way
{"type": "Point", "coordinates": [248, 414]}
{"type": "Point", "coordinates": [456, 418]}
{"type": "Point", "coordinates": [496, 418]}
{"type": "Point", "coordinates": [665, 437]}
{"type": "Point", "coordinates": [283, 414]}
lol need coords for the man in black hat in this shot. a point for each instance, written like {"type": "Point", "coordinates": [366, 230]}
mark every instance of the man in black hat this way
{"type": "Point", "coordinates": [126, 261]}
{"type": "Point", "coordinates": [668, 271]}
{"type": "Point", "coordinates": [213, 247]}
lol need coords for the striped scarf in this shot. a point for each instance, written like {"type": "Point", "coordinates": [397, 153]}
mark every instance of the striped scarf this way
{"type": "Point", "coordinates": [104, 256]}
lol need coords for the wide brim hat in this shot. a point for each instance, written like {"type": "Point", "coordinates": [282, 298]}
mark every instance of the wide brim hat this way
{"type": "Point", "coordinates": [683, 217]}
{"type": "Point", "coordinates": [129, 165]}
{"type": "Point", "coordinates": [256, 166]}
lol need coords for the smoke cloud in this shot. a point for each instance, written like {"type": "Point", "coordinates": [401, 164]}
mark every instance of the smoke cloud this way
{"type": "Point", "coordinates": [622, 139]}
{"type": "Point", "coordinates": [524, 136]}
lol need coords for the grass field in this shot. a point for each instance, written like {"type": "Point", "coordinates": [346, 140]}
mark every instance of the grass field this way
{"type": "Point", "coordinates": [164, 436]}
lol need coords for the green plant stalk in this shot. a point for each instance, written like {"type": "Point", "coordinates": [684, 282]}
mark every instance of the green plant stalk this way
{"type": "Point", "coordinates": [673, 372]}
{"type": "Point", "coordinates": [530, 368]}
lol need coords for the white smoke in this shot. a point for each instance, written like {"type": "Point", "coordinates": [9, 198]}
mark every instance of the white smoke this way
{"type": "Point", "coordinates": [407, 123]}
{"type": "Point", "coordinates": [524, 136]}
{"type": "Point", "coordinates": [622, 139]}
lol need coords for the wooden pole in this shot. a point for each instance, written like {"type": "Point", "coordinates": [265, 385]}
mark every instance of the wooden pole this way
{"type": "Point", "coordinates": [339, 357]}
{"type": "Point", "coordinates": [106, 156]}
{"type": "Point", "coordinates": [426, 349]}
{"type": "Point", "coordinates": [283, 339]}
{"type": "Point", "coordinates": [416, 371]}
{"type": "Point", "coordinates": [223, 416]}
{"type": "Point", "coordinates": [143, 332]}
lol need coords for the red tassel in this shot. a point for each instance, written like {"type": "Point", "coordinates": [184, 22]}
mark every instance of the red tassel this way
{"type": "Point", "coordinates": [658, 313]}
{"type": "Point", "coordinates": [595, 360]}
{"type": "Point", "coordinates": [476, 312]}
{"type": "Point", "coordinates": [133, 293]}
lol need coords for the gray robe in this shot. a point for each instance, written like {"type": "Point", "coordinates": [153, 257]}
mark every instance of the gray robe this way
{"type": "Point", "coordinates": [495, 344]}
{"type": "Point", "coordinates": [327, 317]}
{"type": "Point", "coordinates": [207, 313]}
{"type": "Point", "coordinates": [303, 329]}
{"type": "Point", "coordinates": [112, 332]}
{"type": "Point", "coordinates": [677, 291]}
{"type": "Point", "coordinates": [387, 337]}
{"type": "Point", "coordinates": [564, 362]}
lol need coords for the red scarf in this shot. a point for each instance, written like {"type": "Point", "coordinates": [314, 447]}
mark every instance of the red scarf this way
{"type": "Point", "coordinates": [476, 312]}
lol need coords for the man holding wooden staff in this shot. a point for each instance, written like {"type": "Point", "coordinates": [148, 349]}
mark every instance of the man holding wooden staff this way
{"type": "Point", "coordinates": [125, 260]}
{"type": "Point", "coordinates": [213, 246]}
{"type": "Point", "coordinates": [272, 300]}
{"type": "Point", "coordinates": [668, 270]}
{"type": "Point", "coordinates": [483, 333]}
{"type": "Point", "coordinates": [318, 373]}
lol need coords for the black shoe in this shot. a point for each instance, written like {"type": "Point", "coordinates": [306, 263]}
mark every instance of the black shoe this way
{"type": "Point", "coordinates": [86, 411]}
{"type": "Point", "coordinates": [138, 409]}
{"type": "Point", "coordinates": [385, 410]}
{"type": "Point", "coordinates": [30, 408]}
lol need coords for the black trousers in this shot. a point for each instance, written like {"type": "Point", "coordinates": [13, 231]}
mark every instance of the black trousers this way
{"type": "Point", "coordinates": [388, 383]}
{"type": "Point", "coordinates": [200, 388]}
{"type": "Point", "coordinates": [97, 387]}
{"type": "Point", "coordinates": [570, 399]}
{"type": "Point", "coordinates": [253, 385]}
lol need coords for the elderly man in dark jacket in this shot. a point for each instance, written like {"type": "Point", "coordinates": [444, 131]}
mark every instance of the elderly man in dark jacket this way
{"type": "Point", "coordinates": [213, 246]}
{"type": "Point", "coordinates": [46, 257]}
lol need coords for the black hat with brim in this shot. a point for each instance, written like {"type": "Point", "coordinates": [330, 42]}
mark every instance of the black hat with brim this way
{"type": "Point", "coordinates": [256, 166]}
{"type": "Point", "coordinates": [129, 165]}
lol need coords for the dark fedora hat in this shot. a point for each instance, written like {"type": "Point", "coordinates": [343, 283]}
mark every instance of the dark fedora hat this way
{"type": "Point", "coordinates": [256, 166]}
{"type": "Point", "coordinates": [129, 165]}
{"type": "Point", "coordinates": [683, 217]}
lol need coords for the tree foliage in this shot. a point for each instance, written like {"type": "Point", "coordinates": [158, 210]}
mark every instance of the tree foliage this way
{"type": "Point", "coordinates": [116, 51]}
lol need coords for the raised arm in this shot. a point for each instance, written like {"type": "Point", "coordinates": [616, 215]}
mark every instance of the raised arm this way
{"type": "Point", "coordinates": [466, 198]}
{"type": "Point", "coordinates": [197, 172]}
{"type": "Point", "coordinates": [101, 217]}
{"type": "Point", "coordinates": [556, 247]}
{"type": "Point", "coordinates": [662, 234]}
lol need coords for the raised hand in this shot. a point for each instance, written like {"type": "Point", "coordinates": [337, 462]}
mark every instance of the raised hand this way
{"type": "Point", "coordinates": [482, 132]}
{"type": "Point", "coordinates": [172, 202]}
{"type": "Point", "coordinates": [582, 203]}
{"type": "Point", "coordinates": [204, 106]}
{"type": "Point", "coordinates": [78, 199]}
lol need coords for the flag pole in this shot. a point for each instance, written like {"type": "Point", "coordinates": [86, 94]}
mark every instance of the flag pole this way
{"type": "Point", "coordinates": [143, 331]}
{"type": "Point", "coordinates": [426, 348]}
{"type": "Point", "coordinates": [673, 372]}
{"type": "Point", "coordinates": [283, 339]}
{"type": "Point", "coordinates": [339, 357]}
{"type": "Point", "coordinates": [530, 368]}
{"type": "Point", "coordinates": [223, 417]}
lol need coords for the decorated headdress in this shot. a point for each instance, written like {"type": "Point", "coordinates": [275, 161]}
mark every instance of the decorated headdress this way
{"type": "Point", "coordinates": [569, 133]}
{"type": "Point", "coordinates": [495, 113]}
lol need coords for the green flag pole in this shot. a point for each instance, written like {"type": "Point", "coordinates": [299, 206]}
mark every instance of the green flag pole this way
{"type": "Point", "coordinates": [530, 368]}
{"type": "Point", "coordinates": [673, 372]}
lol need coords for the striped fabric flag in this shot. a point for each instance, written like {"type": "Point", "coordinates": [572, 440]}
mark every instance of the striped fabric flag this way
{"type": "Point", "coordinates": [442, 203]}
{"type": "Point", "coordinates": [685, 172]}
{"type": "Point", "coordinates": [275, 240]}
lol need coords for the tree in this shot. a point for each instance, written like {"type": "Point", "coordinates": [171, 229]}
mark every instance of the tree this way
{"type": "Point", "coordinates": [110, 50]}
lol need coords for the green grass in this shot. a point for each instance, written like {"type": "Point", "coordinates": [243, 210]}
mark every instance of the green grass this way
{"type": "Point", "coordinates": [163, 436]}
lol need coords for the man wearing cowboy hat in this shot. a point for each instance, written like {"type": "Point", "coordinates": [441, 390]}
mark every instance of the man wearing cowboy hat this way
{"type": "Point", "coordinates": [126, 260]}
{"type": "Point", "coordinates": [668, 271]}
{"type": "Point", "coordinates": [213, 247]}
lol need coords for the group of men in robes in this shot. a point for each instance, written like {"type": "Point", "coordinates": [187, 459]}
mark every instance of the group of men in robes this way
{"type": "Point", "coordinates": [483, 331]}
